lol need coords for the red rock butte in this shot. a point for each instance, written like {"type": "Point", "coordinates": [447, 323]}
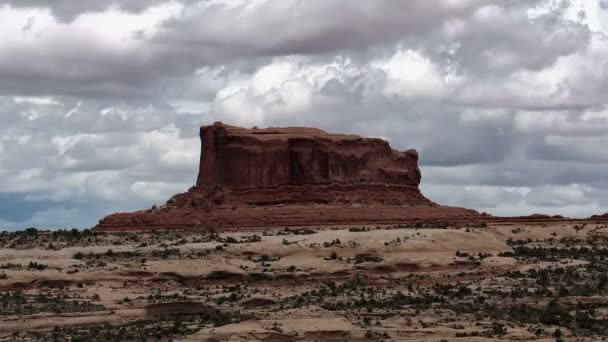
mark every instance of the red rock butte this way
{"type": "Point", "coordinates": [277, 177]}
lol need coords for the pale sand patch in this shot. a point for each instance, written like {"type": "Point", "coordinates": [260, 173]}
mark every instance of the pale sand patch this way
{"type": "Point", "coordinates": [259, 330]}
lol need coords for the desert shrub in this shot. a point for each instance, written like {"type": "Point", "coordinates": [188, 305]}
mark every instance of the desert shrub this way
{"type": "Point", "coordinates": [36, 266]}
{"type": "Point", "coordinates": [359, 258]}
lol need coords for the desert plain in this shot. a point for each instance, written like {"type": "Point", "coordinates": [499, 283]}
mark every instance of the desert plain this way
{"type": "Point", "coordinates": [535, 281]}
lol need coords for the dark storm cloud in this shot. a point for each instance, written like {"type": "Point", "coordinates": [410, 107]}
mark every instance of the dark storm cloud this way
{"type": "Point", "coordinates": [589, 149]}
{"type": "Point", "coordinates": [15, 208]}
{"type": "Point", "coordinates": [146, 58]}
{"type": "Point", "coordinates": [68, 9]}
{"type": "Point", "coordinates": [310, 27]}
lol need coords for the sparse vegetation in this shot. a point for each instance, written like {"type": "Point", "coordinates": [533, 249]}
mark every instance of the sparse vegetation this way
{"type": "Point", "coordinates": [553, 289]}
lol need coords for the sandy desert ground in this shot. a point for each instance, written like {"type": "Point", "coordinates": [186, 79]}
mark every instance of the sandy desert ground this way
{"type": "Point", "coordinates": [425, 282]}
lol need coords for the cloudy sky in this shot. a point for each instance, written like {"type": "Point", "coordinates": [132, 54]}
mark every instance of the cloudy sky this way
{"type": "Point", "coordinates": [100, 101]}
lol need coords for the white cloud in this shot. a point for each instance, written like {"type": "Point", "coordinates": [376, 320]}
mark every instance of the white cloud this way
{"type": "Point", "coordinates": [560, 196]}
{"type": "Point", "coordinates": [155, 192]}
{"type": "Point", "coordinates": [410, 74]}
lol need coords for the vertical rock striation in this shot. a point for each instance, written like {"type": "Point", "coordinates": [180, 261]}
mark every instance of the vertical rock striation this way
{"type": "Point", "coordinates": [291, 176]}
{"type": "Point", "coordinates": [240, 158]}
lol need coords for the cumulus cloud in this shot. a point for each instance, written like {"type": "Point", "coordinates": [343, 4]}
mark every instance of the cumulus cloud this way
{"type": "Point", "coordinates": [76, 155]}
{"type": "Point", "coordinates": [97, 53]}
{"type": "Point", "coordinates": [100, 102]}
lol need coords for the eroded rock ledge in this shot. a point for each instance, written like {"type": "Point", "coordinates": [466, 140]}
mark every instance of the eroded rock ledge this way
{"type": "Point", "coordinates": [292, 177]}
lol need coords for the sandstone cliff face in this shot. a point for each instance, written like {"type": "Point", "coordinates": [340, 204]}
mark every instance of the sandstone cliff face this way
{"type": "Point", "coordinates": [300, 165]}
{"type": "Point", "coordinates": [240, 158]}
{"type": "Point", "coordinates": [292, 177]}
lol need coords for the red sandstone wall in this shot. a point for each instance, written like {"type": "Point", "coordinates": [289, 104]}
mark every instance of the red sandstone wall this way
{"type": "Point", "coordinates": [239, 159]}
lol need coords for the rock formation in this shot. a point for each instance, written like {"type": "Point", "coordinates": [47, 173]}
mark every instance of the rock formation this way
{"type": "Point", "coordinates": [292, 176]}
{"type": "Point", "coordinates": [600, 217]}
{"type": "Point", "coordinates": [240, 158]}
{"type": "Point", "coordinates": [303, 165]}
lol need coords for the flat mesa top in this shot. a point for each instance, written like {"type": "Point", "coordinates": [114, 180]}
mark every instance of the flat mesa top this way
{"type": "Point", "coordinates": [284, 132]}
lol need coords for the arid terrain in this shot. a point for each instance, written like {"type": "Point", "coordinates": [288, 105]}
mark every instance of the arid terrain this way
{"type": "Point", "coordinates": [303, 170]}
{"type": "Point", "coordinates": [295, 234]}
{"type": "Point", "coordinates": [408, 282]}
